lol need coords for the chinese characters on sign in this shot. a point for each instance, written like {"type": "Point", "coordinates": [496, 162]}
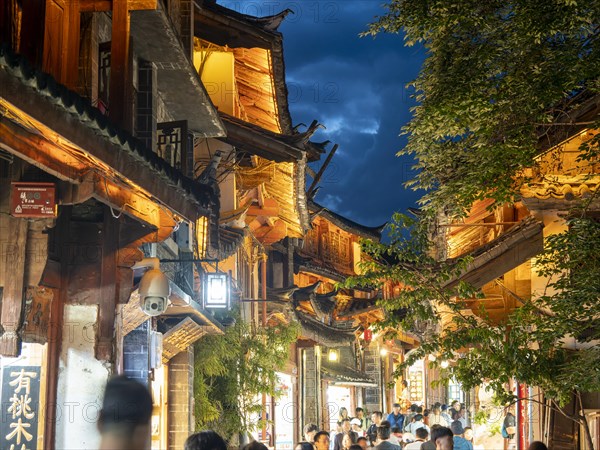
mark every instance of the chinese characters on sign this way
{"type": "Point", "coordinates": [31, 200]}
{"type": "Point", "coordinates": [20, 402]}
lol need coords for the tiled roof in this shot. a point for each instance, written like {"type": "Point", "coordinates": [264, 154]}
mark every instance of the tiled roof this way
{"type": "Point", "coordinates": [345, 223]}
{"type": "Point", "coordinates": [343, 374]}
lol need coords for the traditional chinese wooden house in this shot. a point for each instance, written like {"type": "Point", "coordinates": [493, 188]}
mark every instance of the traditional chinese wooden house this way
{"type": "Point", "coordinates": [262, 176]}
{"type": "Point", "coordinates": [503, 241]}
{"type": "Point", "coordinates": [335, 370]}
{"type": "Point", "coordinates": [100, 108]}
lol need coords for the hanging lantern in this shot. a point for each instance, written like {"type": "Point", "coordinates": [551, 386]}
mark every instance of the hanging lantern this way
{"type": "Point", "coordinates": [333, 355]}
{"type": "Point", "coordinates": [368, 335]}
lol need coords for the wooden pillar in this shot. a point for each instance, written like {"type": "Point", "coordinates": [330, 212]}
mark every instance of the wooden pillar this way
{"type": "Point", "coordinates": [55, 276]}
{"type": "Point", "coordinates": [12, 298]}
{"type": "Point", "coordinates": [108, 287]}
{"type": "Point", "coordinates": [119, 62]}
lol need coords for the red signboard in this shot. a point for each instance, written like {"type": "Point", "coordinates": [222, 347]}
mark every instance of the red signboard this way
{"type": "Point", "coordinates": [31, 200]}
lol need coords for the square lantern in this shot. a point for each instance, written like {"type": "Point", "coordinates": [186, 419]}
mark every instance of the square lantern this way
{"type": "Point", "coordinates": [216, 291]}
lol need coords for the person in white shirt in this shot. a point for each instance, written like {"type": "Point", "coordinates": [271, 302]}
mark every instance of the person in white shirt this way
{"type": "Point", "coordinates": [421, 436]}
{"type": "Point", "coordinates": [436, 417]}
{"type": "Point", "coordinates": [356, 427]}
{"type": "Point", "coordinates": [417, 423]}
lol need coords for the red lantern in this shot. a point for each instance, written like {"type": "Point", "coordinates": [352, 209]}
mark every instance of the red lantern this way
{"type": "Point", "coordinates": [368, 335]}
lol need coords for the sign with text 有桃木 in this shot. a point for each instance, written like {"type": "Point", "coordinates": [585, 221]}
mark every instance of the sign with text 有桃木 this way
{"type": "Point", "coordinates": [33, 200]}
{"type": "Point", "coordinates": [20, 407]}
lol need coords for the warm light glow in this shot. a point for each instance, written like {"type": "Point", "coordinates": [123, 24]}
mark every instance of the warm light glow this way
{"type": "Point", "coordinates": [333, 355]}
{"type": "Point", "coordinates": [383, 352]}
{"type": "Point", "coordinates": [432, 358]}
{"type": "Point", "coordinates": [216, 290]}
{"type": "Point", "coordinates": [444, 364]}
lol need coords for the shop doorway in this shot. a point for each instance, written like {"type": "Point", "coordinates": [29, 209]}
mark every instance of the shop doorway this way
{"type": "Point", "coordinates": [338, 397]}
{"type": "Point", "coordinates": [284, 414]}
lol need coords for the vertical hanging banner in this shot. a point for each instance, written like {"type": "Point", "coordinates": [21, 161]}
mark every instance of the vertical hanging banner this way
{"type": "Point", "coordinates": [20, 407]}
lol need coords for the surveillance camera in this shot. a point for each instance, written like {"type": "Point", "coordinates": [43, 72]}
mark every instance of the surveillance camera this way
{"type": "Point", "coordinates": [154, 292]}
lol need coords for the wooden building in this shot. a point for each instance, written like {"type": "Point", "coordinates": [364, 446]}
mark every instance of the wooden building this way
{"type": "Point", "coordinates": [503, 241]}
{"type": "Point", "coordinates": [101, 167]}
{"type": "Point", "coordinates": [335, 367]}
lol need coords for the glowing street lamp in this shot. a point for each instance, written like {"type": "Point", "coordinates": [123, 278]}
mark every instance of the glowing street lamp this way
{"type": "Point", "coordinates": [216, 291]}
{"type": "Point", "coordinates": [333, 355]}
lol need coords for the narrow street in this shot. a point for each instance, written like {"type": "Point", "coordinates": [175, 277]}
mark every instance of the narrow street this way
{"type": "Point", "coordinates": [299, 225]}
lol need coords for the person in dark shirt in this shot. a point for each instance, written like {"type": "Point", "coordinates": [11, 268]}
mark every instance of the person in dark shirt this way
{"type": "Point", "coordinates": [337, 442]}
{"type": "Point", "coordinates": [372, 431]}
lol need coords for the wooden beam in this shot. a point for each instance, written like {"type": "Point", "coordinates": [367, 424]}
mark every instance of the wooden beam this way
{"type": "Point", "coordinates": [119, 62]}
{"type": "Point", "coordinates": [73, 28]}
{"type": "Point", "coordinates": [38, 151]}
{"type": "Point", "coordinates": [12, 298]}
{"type": "Point", "coordinates": [107, 5]}
{"type": "Point", "coordinates": [53, 159]}
{"type": "Point", "coordinates": [108, 288]}
{"type": "Point", "coordinates": [270, 208]}
{"type": "Point", "coordinates": [319, 174]}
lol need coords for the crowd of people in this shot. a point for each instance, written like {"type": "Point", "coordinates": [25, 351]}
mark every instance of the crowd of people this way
{"type": "Point", "coordinates": [124, 424]}
{"type": "Point", "coordinates": [410, 429]}
{"type": "Point", "coordinates": [440, 428]}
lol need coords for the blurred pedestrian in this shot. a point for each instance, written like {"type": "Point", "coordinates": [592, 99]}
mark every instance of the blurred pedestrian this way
{"type": "Point", "coordinates": [304, 446]}
{"type": "Point", "coordinates": [396, 418]}
{"type": "Point", "coordinates": [337, 441]}
{"type": "Point", "coordinates": [347, 441]}
{"type": "Point", "coordinates": [342, 415]}
{"type": "Point", "coordinates": [460, 443]}
{"type": "Point", "coordinates": [205, 440]}
{"type": "Point", "coordinates": [321, 440]}
{"type": "Point", "coordinates": [124, 420]}
{"type": "Point", "coordinates": [420, 437]}
{"type": "Point", "coordinates": [372, 431]}
{"type": "Point", "coordinates": [310, 430]}
{"type": "Point", "coordinates": [363, 442]}
{"type": "Point", "coordinates": [383, 437]}
{"type": "Point", "coordinates": [364, 421]}
{"type": "Point", "coordinates": [537, 445]}
{"type": "Point", "coordinates": [442, 437]}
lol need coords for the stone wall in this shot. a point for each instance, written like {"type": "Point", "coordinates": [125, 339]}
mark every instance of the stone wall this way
{"type": "Point", "coordinates": [372, 395]}
{"type": "Point", "coordinates": [136, 353]}
{"type": "Point", "coordinates": [181, 401]}
{"type": "Point", "coordinates": [311, 386]}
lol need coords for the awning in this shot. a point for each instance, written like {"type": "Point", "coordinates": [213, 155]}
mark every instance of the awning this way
{"type": "Point", "coordinates": [60, 132]}
{"type": "Point", "coordinates": [504, 253]}
{"type": "Point", "coordinates": [180, 305]}
{"type": "Point", "coordinates": [324, 334]}
{"type": "Point", "coordinates": [258, 141]}
{"type": "Point", "coordinates": [337, 373]}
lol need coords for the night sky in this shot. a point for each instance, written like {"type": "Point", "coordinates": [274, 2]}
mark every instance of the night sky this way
{"type": "Point", "coordinates": [356, 87]}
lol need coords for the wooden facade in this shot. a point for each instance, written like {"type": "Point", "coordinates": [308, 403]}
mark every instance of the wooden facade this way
{"type": "Point", "coordinates": [504, 240]}
{"type": "Point", "coordinates": [81, 104]}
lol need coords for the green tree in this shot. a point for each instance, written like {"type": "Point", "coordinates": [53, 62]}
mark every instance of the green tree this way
{"type": "Point", "coordinates": [497, 75]}
{"type": "Point", "coordinates": [529, 345]}
{"type": "Point", "coordinates": [233, 370]}
{"type": "Point", "coordinates": [501, 81]}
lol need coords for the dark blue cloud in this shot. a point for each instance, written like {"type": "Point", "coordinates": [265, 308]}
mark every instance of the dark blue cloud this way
{"type": "Point", "coordinates": [356, 87]}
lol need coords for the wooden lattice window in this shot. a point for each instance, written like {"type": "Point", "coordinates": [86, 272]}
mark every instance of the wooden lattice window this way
{"type": "Point", "coordinates": [340, 248]}
{"type": "Point", "coordinates": [103, 76]}
{"type": "Point", "coordinates": [173, 143]}
{"type": "Point", "coordinates": [311, 242]}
